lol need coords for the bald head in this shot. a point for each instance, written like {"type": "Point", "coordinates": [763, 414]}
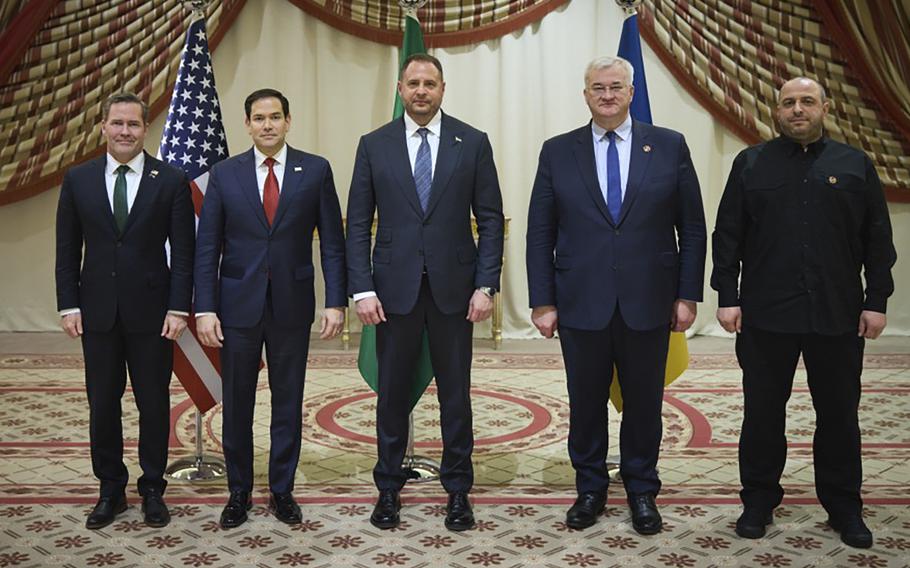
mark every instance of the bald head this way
{"type": "Point", "coordinates": [801, 110]}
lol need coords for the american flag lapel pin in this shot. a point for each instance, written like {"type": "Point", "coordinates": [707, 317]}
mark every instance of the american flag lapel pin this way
{"type": "Point", "coordinates": [153, 173]}
{"type": "Point", "coordinates": [458, 139]}
{"type": "Point", "coordinates": [298, 169]}
{"type": "Point", "coordinates": [646, 148]}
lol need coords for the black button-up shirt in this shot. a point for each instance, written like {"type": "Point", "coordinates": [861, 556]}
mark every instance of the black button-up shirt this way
{"type": "Point", "coordinates": [802, 223]}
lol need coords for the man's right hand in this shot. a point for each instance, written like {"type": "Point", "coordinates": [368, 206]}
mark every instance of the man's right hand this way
{"type": "Point", "coordinates": [72, 324]}
{"type": "Point", "coordinates": [545, 320]}
{"type": "Point", "coordinates": [208, 328]}
{"type": "Point", "coordinates": [731, 319]}
{"type": "Point", "coordinates": [369, 310]}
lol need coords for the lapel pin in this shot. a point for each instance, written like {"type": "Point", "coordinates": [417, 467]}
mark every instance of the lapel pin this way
{"type": "Point", "coordinates": [832, 180]}
{"type": "Point", "coordinates": [646, 148]}
{"type": "Point", "coordinates": [153, 173]}
{"type": "Point", "coordinates": [298, 169]}
{"type": "Point", "coordinates": [457, 139]}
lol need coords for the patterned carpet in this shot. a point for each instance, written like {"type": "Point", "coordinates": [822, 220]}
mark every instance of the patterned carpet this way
{"type": "Point", "coordinates": [524, 482]}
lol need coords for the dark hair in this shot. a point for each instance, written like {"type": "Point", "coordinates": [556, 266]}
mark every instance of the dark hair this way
{"type": "Point", "coordinates": [124, 97]}
{"type": "Point", "coordinates": [425, 57]}
{"type": "Point", "coordinates": [266, 94]}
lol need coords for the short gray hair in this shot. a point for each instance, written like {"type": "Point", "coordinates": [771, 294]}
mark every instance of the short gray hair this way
{"type": "Point", "coordinates": [606, 61]}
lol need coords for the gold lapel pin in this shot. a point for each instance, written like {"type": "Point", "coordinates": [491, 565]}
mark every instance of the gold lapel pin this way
{"type": "Point", "coordinates": [832, 180]}
{"type": "Point", "coordinates": [646, 148]}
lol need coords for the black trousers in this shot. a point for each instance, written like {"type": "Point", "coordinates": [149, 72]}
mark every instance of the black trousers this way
{"type": "Point", "coordinates": [833, 367]}
{"type": "Point", "coordinates": [286, 355]}
{"type": "Point", "coordinates": [398, 343]}
{"type": "Point", "coordinates": [641, 359]}
{"type": "Point", "coordinates": [149, 358]}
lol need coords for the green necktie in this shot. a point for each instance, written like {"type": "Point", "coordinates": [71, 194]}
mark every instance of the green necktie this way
{"type": "Point", "coordinates": [120, 209]}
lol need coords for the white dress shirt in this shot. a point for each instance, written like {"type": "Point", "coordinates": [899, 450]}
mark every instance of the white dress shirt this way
{"type": "Point", "coordinates": [133, 177]}
{"type": "Point", "coordinates": [623, 148]}
{"type": "Point", "coordinates": [413, 140]}
{"type": "Point", "coordinates": [262, 170]}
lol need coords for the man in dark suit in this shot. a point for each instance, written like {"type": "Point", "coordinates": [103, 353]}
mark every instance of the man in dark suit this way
{"type": "Point", "coordinates": [615, 258]}
{"type": "Point", "coordinates": [123, 300]}
{"type": "Point", "coordinates": [254, 286]}
{"type": "Point", "coordinates": [424, 173]}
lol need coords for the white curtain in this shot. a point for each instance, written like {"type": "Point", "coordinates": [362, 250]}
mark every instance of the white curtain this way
{"type": "Point", "coordinates": [521, 89]}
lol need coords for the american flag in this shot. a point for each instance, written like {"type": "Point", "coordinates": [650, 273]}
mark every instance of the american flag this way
{"type": "Point", "coordinates": [193, 141]}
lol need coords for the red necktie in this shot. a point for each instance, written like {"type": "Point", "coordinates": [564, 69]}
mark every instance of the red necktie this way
{"type": "Point", "coordinates": [270, 192]}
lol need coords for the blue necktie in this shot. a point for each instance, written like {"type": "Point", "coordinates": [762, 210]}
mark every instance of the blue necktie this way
{"type": "Point", "coordinates": [614, 181]}
{"type": "Point", "coordinates": [423, 170]}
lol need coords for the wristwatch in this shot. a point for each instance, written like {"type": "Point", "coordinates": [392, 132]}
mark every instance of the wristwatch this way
{"type": "Point", "coordinates": [488, 290]}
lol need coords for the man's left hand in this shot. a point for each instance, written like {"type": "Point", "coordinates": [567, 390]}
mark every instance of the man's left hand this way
{"type": "Point", "coordinates": [173, 326]}
{"type": "Point", "coordinates": [480, 307]}
{"type": "Point", "coordinates": [683, 316]}
{"type": "Point", "coordinates": [332, 322]}
{"type": "Point", "coordinates": [871, 324]}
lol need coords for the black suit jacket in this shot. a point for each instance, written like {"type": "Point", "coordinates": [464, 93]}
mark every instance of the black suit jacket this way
{"type": "Point", "coordinates": [583, 262]}
{"type": "Point", "coordinates": [126, 274]}
{"type": "Point", "coordinates": [407, 240]}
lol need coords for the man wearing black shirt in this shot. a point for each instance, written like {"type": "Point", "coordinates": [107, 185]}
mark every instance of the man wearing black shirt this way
{"type": "Point", "coordinates": [801, 216]}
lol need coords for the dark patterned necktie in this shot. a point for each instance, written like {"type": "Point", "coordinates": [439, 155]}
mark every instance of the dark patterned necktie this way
{"type": "Point", "coordinates": [423, 170]}
{"type": "Point", "coordinates": [121, 210]}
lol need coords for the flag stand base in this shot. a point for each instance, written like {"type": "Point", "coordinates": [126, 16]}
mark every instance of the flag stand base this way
{"type": "Point", "coordinates": [418, 469]}
{"type": "Point", "coordinates": [199, 467]}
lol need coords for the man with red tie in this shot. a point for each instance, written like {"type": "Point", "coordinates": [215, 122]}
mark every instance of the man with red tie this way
{"type": "Point", "coordinates": [254, 287]}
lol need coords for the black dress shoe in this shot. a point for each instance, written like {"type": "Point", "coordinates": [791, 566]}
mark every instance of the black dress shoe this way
{"type": "Point", "coordinates": [645, 518]}
{"type": "Point", "coordinates": [753, 522]}
{"type": "Point", "coordinates": [584, 513]}
{"type": "Point", "coordinates": [459, 516]}
{"type": "Point", "coordinates": [285, 509]}
{"type": "Point", "coordinates": [853, 531]}
{"type": "Point", "coordinates": [105, 511]}
{"type": "Point", "coordinates": [385, 514]}
{"type": "Point", "coordinates": [234, 513]}
{"type": "Point", "coordinates": [154, 511]}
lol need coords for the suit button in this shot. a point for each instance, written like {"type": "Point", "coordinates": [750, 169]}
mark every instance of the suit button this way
{"type": "Point", "coordinates": [614, 267]}
{"type": "Point", "coordinates": [119, 244]}
{"type": "Point", "coordinates": [113, 274]}
{"type": "Point", "coordinates": [616, 232]}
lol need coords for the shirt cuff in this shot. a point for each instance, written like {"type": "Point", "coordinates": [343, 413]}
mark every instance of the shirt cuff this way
{"type": "Point", "coordinates": [70, 311]}
{"type": "Point", "coordinates": [179, 313]}
{"type": "Point", "coordinates": [363, 295]}
{"type": "Point", "coordinates": [200, 314]}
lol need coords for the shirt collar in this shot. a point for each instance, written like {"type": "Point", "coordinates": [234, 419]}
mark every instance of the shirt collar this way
{"type": "Point", "coordinates": [135, 165]}
{"type": "Point", "coordinates": [434, 126]}
{"type": "Point", "coordinates": [794, 147]}
{"type": "Point", "coordinates": [623, 131]}
{"type": "Point", "coordinates": [280, 157]}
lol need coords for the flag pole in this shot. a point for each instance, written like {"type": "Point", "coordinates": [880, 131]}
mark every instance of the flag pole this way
{"type": "Point", "coordinates": [199, 467]}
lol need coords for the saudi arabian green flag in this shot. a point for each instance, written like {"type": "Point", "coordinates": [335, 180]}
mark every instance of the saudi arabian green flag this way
{"type": "Point", "coordinates": [366, 358]}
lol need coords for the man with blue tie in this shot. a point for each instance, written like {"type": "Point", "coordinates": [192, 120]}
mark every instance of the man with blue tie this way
{"type": "Point", "coordinates": [615, 258]}
{"type": "Point", "coordinates": [254, 287]}
{"type": "Point", "coordinates": [424, 174]}
{"type": "Point", "coordinates": [117, 292]}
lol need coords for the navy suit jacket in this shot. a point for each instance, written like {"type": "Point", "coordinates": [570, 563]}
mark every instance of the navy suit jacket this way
{"type": "Point", "coordinates": [124, 274]}
{"type": "Point", "coordinates": [583, 262]}
{"type": "Point", "coordinates": [407, 240]}
{"type": "Point", "coordinates": [238, 254]}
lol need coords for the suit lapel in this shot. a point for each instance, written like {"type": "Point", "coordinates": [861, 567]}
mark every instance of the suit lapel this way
{"type": "Point", "coordinates": [638, 165]}
{"type": "Point", "coordinates": [245, 174]}
{"type": "Point", "coordinates": [587, 167]}
{"type": "Point", "coordinates": [400, 163]}
{"type": "Point", "coordinates": [145, 195]}
{"type": "Point", "coordinates": [97, 195]}
{"type": "Point", "coordinates": [290, 185]}
{"type": "Point", "coordinates": [449, 155]}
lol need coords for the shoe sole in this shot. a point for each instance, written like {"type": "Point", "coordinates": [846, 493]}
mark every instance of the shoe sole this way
{"type": "Point", "coordinates": [294, 521]}
{"type": "Point", "coordinates": [157, 525]}
{"type": "Point", "coordinates": [849, 541]}
{"type": "Point", "coordinates": [648, 531]}
{"type": "Point", "coordinates": [224, 525]}
{"type": "Point", "coordinates": [581, 526]}
{"type": "Point", "coordinates": [94, 527]}
{"type": "Point", "coordinates": [458, 527]}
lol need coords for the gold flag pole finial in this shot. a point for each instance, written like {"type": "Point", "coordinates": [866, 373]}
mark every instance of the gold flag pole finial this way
{"type": "Point", "coordinates": [410, 7]}
{"type": "Point", "coordinates": [196, 7]}
{"type": "Point", "coordinates": [630, 7]}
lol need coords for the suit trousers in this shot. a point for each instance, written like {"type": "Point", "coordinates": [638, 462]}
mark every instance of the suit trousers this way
{"type": "Point", "coordinates": [640, 358]}
{"type": "Point", "coordinates": [398, 343]}
{"type": "Point", "coordinates": [286, 355]}
{"type": "Point", "coordinates": [833, 368]}
{"type": "Point", "coordinates": [149, 358]}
